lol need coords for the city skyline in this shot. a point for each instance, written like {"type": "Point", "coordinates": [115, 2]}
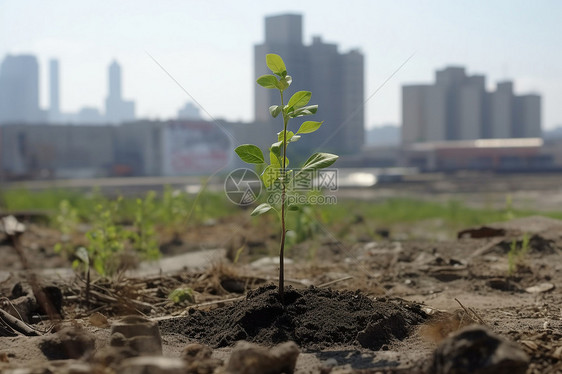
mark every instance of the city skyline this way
{"type": "Point", "coordinates": [210, 53]}
{"type": "Point", "coordinates": [457, 106]}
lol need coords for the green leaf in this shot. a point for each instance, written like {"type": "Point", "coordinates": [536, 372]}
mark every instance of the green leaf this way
{"type": "Point", "coordinates": [318, 161]}
{"type": "Point", "coordinates": [298, 100]}
{"type": "Point", "coordinates": [306, 111]}
{"type": "Point", "coordinates": [268, 81]}
{"type": "Point", "coordinates": [270, 175]}
{"type": "Point", "coordinates": [285, 82]}
{"type": "Point", "coordinates": [250, 154]}
{"type": "Point", "coordinates": [294, 208]}
{"type": "Point", "coordinates": [276, 148]}
{"type": "Point", "coordinates": [260, 168]}
{"type": "Point", "coordinates": [290, 134]}
{"type": "Point", "coordinates": [274, 110]}
{"type": "Point", "coordinates": [294, 138]}
{"type": "Point", "coordinates": [261, 209]}
{"type": "Point", "coordinates": [275, 64]}
{"type": "Point", "coordinates": [98, 266]}
{"type": "Point", "coordinates": [309, 126]}
{"type": "Point", "coordinates": [274, 160]}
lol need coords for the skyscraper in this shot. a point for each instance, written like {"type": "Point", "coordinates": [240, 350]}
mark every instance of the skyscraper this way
{"type": "Point", "coordinates": [458, 107]}
{"type": "Point", "coordinates": [335, 80]}
{"type": "Point", "coordinates": [117, 110]}
{"type": "Point", "coordinates": [54, 94]}
{"type": "Point", "coordinates": [19, 90]}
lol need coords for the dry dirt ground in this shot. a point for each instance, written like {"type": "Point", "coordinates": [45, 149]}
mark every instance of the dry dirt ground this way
{"type": "Point", "coordinates": [421, 290]}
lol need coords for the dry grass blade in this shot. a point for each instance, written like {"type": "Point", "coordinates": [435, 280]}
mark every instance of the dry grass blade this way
{"type": "Point", "coordinates": [472, 313]}
{"type": "Point", "coordinates": [335, 281]}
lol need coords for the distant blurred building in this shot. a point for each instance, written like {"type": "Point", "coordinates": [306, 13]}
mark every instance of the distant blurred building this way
{"type": "Point", "coordinates": [383, 136]}
{"type": "Point", "coordinates": [54, 92]}
{"type": "Point", "coordinates": [513, 154]}
{"type": "Point", "coordinates": [140, 148]}
{"type": "Point", "coordinates": [458, 107]}
{"type": "Point", "coordinates": [117, 110]}
{"type": "Point", "coordinates": [189, 112]}
{"type": "Point", "coordinates": [19, 90]}
{"type": "Point", "coordinates": [335, 79]}
{"type": "Point", "coordinates": [90, 116]}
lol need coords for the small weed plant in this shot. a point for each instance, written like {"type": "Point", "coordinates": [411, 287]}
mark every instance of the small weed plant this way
{"type": "Point", "coordinates": [106, 239]}
{"type": "Point", "coordinates": [517, 253]}
{"type": "Point", "coordinates": [275, 173]}
{"type": "Point", "coordinates": [66, 221]}
{"type": "Point", "coordinates": [144, 237]}
{"type": "Point", "coordinates": [174, 210]}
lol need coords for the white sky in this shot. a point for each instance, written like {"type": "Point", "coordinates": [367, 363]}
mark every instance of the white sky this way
{"type": "Point", "coordinates": [208, 47]}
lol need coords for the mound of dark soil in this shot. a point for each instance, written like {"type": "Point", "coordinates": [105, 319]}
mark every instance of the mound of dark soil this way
{"type": "Point", "coordinates": [314, 318]}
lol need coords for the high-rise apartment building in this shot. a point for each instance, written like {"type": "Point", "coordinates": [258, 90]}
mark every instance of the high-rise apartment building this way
{"type": "Point", "coordinates": [458, 107]}
{"type": "Point", "coordinates": [19, 90]}
{"type": "Point", "coordinates": [527, 114]}
{"type": "Point", "coordinates": [117, 110]}
{"type": "Point", "coordinates": [54, 92]}
{"type": "Point", "coordinates": [335, 80]}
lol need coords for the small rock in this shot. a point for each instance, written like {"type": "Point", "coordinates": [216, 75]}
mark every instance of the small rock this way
{"type": "Point", "coordinates": [110, 356]}
{"type": "Point", "coordinates": [198, 359]}
{"type": "Point", "coordinates": [477, 350]}
{"type": "Point", "coordinates": [99, 320]}
{"type": "Point", "coordinates": [540, 288]}
{"type": "Point", "coordinates": [117, 340]}
{"type": "Point", "coordinates": [248, 358]}
{"type": "Point", "coordinates": [196, 351]}
{"type": "Point", "coordinates": [67, 343]}
{"type": "Point", "coordinates": [138, 333]}
{"type": "Point", "coordinates": [152, 365]}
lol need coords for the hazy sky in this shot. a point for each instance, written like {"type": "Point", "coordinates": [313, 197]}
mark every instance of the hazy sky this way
{"type": "Point", "coordinates": [208, 47]}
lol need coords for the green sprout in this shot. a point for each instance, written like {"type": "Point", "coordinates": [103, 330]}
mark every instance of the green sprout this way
{"type": "Point", "coordinates": [182, 294]}
{"type": "Point", "coordinates": [517, 253]}
{"type": "Point", "coordinates": [275, 174]}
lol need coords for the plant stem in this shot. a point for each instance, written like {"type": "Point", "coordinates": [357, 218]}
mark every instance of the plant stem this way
{"type": "Point", "coordinates": [283, 187]}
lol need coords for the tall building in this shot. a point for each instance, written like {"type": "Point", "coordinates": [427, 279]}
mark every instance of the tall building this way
{"type": "Point", "coordinates": [19, 90]}
{"type": "Point", "coordinates": [117, 110]}
{"type": "Point", "coordinates": [458, 107]}
{"type": "Point", "coordinates": [54, 93]}
{"type": "Point", "coordinates": [189, 112]}
{"type": "Point", "coordinates": [335, 80]}
{"type": "Point", "coordinates": [527, 114]}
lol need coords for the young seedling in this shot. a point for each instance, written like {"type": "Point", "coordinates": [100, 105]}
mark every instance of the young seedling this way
{"type": "Point", "coordinates": [275, 173]}
{"type": "Point", "coordinates": [517, 253]}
